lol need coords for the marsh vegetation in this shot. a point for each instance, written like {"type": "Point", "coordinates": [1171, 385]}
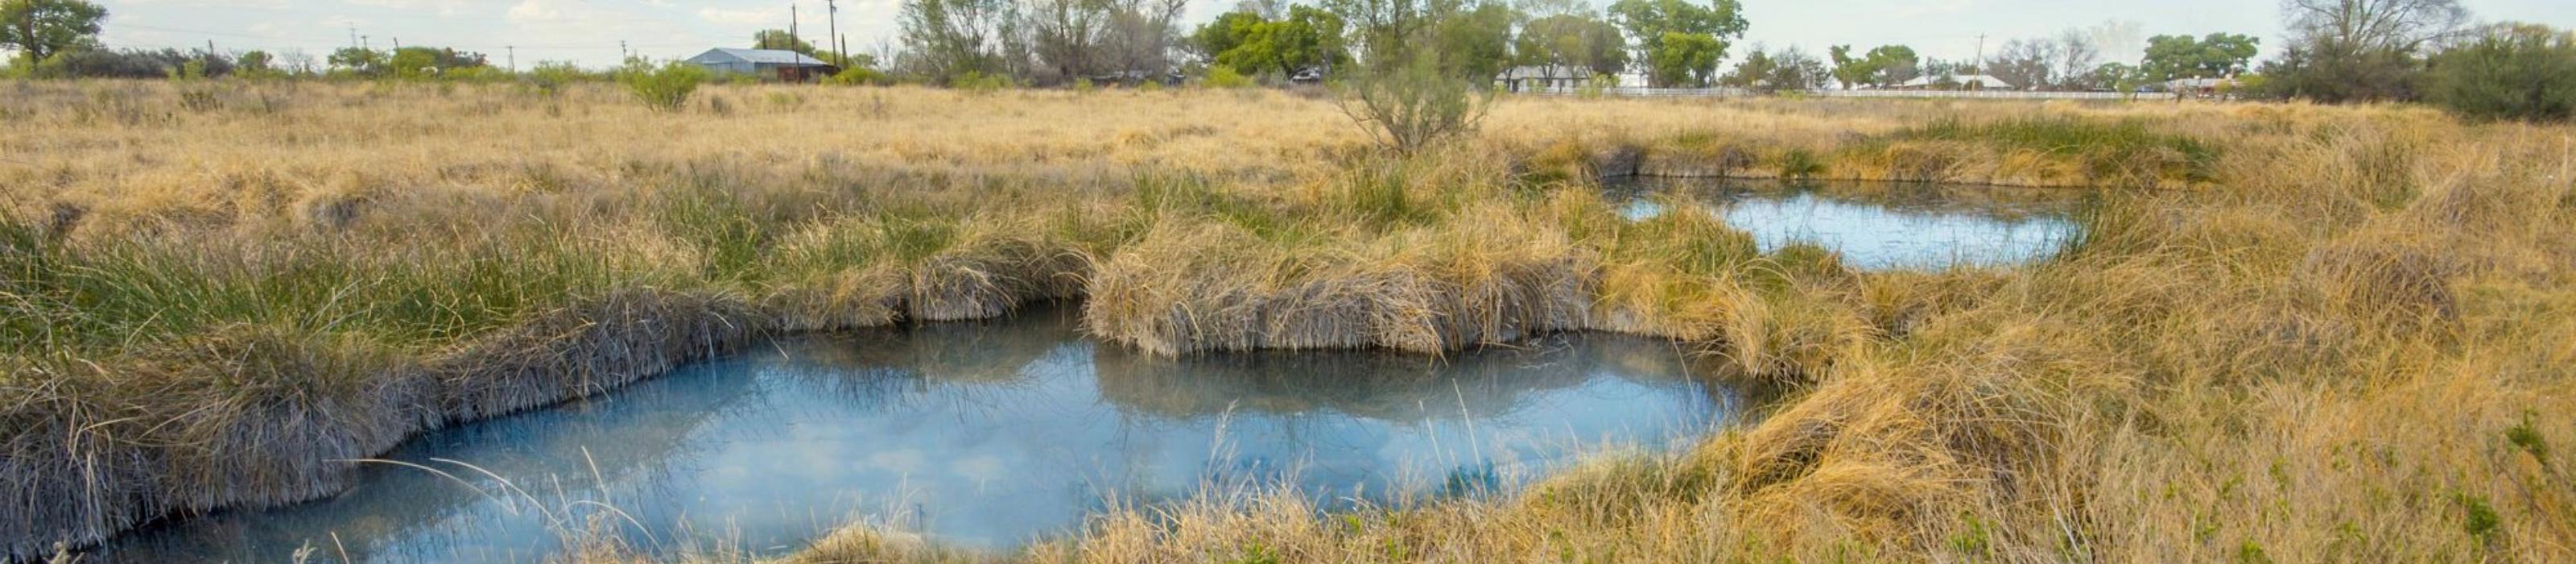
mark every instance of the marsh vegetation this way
{"type": "Point", "coordinates": [2285, 332]}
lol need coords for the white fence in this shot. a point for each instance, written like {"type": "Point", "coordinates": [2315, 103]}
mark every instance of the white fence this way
{"type": "Point", "coordinates": [1945, 94]}
{"type": "Point", "coordinates": [1989, 94]}
{"type": "Point", "coordinates": [1636, 91]}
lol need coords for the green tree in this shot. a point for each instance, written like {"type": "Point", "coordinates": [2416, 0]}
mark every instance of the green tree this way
{"type": "Point", "coordinates": [1476, 44]}
{"type": "Point", "coordinates": [2509, 71]}
{"type": "Point", "coordinates": [1753, 71]}
{"type": "Point", "coordinates": [952, 39]}
{"type": "Point", "coordinates": [254, 62]}
{"type": "Point", "coordinates": [1887, 64]}
{"type": "Point", "coordinates": [1793, 69]}
{"type": "Point", "coordinates": [1681, 42]}
{"type": "Point", "coordinates": [40, 28]}
{"type": "Point", "coordinates": [1307, 37]}
{"type": "Point", "coordinates": [1225, 33]}
{"type": "Point", "coordinates": [414, 63]}
{"type": "Point", "coordinates": [2180, 56]}
{"type": "Point", "coordinates": [1684, 59]}
{"type": "Point", "coordinates": [779, 39]}
{"type": "Point", "coordinates": [356, 61]}
{"type": "Point", "coordinates": [1386, 31]}
{"type": "Point", "coordinates": [1572, 41]}
{"type": "Point", "coordinates": [2118, 77]}
{"type": "Point", "coordinates": [47, 27]}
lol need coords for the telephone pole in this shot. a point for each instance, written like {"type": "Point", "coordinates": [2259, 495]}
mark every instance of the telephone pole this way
{"type": "Point", "coordinates": [353, 36]}
{"type": "Point", "coordinates": [1981, 53]}
{"type": "Point", "coordinates": [792, 38]}
{"type": "Point", "coordinates": [621, 51]}
{"type": "Point", "coordinates": [514, 57]}
{"type": "Point", "coordinates": [832, 9]}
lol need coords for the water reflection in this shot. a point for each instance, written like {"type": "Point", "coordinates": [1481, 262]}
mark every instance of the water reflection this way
{"type": "Point", "coordinates": [1879, 225]}
{"type": "Point", "coordinates": [979, 433]}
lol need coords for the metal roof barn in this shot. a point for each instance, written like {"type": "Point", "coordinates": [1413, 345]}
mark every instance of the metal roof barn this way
{"type": "Point", "coordinates": [775, 64]}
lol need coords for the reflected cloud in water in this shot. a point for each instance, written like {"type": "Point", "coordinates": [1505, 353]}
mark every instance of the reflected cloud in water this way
{"type": "Point", "coordinates": [1879, 225]}
{"type": "Point", "coordinates": [985, 434]}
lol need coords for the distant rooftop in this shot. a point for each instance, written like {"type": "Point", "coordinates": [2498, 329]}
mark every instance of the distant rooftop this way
{"type": "Point", "coordinates": [1980, 80]}
{"type": "Point", "coordinates": [763, 56]}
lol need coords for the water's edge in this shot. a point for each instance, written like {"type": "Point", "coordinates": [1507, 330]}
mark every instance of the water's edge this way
{"type": "Point", "coordinates": [618, 339]}
{"type": "Point", "coordinates": [337, 470]}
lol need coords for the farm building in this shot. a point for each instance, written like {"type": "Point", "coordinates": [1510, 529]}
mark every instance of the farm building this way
{"type": "Point", "coordinates": [768, 64]}
{"type": "Point", "coordinates": [1543, 78]}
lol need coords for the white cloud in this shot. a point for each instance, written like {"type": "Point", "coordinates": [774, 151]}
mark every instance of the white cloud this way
{"type": "Point", "coordinates": [537, 11]}
{"type": "Point", "coordinates": [740, 17]}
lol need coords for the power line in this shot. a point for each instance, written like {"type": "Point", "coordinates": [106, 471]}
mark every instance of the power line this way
{"type": "Point", "coordinates": [355, 37]}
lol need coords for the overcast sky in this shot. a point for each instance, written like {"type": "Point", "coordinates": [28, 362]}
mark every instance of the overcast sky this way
{"type": "Point", "coordinates": [588, 31]}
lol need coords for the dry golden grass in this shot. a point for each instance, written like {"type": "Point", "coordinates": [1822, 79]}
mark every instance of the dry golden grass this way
{"type": "Point", "coordinates": [2342, 334]}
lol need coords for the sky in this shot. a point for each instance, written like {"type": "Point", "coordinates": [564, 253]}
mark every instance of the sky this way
{"type": "Point", "coordinates": [588, 32]}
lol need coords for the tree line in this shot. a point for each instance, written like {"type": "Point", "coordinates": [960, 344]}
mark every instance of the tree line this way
{"type": "Point", "coordinates": [2336, 50]}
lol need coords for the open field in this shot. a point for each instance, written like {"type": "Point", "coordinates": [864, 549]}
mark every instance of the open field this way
{"type": "Point", "coordinates": [2291, 333]}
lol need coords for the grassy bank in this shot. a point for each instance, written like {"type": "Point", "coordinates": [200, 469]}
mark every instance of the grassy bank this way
{"type": "Point", "coordinates": [2331, 334]}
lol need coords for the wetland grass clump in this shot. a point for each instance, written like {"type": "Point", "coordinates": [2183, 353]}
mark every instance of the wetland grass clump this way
{"type": "Point", "coordinates": [2362, 321]}
{"type": "Point", "coordinates": [2065, 150]}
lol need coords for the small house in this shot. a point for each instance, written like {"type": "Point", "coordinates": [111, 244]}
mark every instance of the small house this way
{"type": "Point", "coordinates": [1542, 78]}
{"type": "Point", "coordinates": [768, 64]}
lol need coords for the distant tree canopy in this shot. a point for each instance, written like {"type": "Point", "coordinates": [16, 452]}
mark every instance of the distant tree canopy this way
{"type": "Point", "coordinates": [1789, 69]}
{"type": "Point", "coordinates": [1680, 42]}
{"type": "Point", "coordinates": [132, 63]}
{"type": "Point", "coordinates": [1040, 41]}
{"type": "Point", "coordinates": [2358, 50]}
{"type": "Point", "coordinates": [2181, 56]}
{"type": "Point", "coordinates": [2507, 71]}
{"type": "Point", "coordinates": [2027, 64]}
{"type": "Point", "coordinates": [1885, 65]}
{"type": "Point", "coordinates": [405, 63]}
{"type": "Point", "coordinates": [1251, 44]}
{"type": "Point", "coordinates": [1574, 40]}
{"type": "Point", "coordinates": [41, 28]}
{"type": "Point", "coordinates": [780, 39]}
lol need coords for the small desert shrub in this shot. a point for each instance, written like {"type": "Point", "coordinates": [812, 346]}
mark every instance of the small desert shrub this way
{"type": "Point", "coordinates": [1407, 108]}
{"type": "Point", "coordinates": [975, 82]}
{"type": "Point", "coordinates": [664, 89]}
{"type": "Point", "coordinates": [1221, 76]}
{"type": "Point", "coordinates": [554, 77]}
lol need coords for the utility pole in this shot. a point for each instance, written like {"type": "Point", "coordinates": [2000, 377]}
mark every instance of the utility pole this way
{"type": "Point", "coordinates": [621, 51]}
{"type": "Point", "coordinates": [514, 57]}
{"type": "Point", "coordinates": [832, 8]}
{"type": "Point", "coordinates": [1981, 53]}
{"type": "Point", "coordinates": [792, 38]}
{"type": "Point", "coordinates": [353, 36]}
{"type": "Point", "coordinates": [363, 45]}
{"type": "Point", "coordinates": [397, 44]}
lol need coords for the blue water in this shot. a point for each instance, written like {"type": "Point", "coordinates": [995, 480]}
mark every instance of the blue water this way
{"type": "Point", "coordinates": [981, 434]}
{"type": "Point", "coordinates": [1877, 225]}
